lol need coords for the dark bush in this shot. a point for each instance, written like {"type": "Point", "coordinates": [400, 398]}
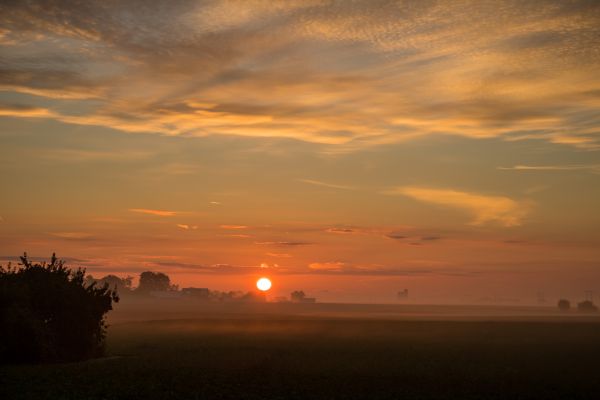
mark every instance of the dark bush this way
{"type": "Point", "coordinates": [47, 313]}
{"type": "Point", "coordinates": [564, 305]}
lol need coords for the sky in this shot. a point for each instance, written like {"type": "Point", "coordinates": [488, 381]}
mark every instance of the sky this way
{"type": "Point", "coordinates": [350, 149]}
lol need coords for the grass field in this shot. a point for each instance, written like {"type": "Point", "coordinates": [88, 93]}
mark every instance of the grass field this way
{"type": "Point", "coordinates": [273, 356]}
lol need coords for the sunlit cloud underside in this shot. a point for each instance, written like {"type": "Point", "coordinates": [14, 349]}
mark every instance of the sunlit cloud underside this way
{"type": "Point", "coordinates": [352, 73]}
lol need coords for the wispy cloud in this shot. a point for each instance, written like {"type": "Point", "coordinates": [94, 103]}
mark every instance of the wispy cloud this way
{"type": "Point", "coordinates": [24, 111]}
{"type": "Point", "coordinates": [327, 266]}
{"type": "Point", "coordinates": [72, 235]}
{"type": "Point", "coordinates": [345, 268]}
{"type": "Point", "coordinates": [160, 213]}
{"type": "Point", "coordinates": [401, 75]}
{"type": "Point", "coordinates": [233, 227]}
{"type": "Point", "coordinates": [594, 168]}
{"type": "Point", "coordinates": [237, 235]}
{"type": "Point", "coordinates": [326, 184]}
{"type": "Point", "coordinates": [279, 255]}
{"type": "Point", "coordinates": [187, 227]}
{"type": "Point", "coordinates": [283, 243]}
{"type": "Point", "coordinates": [498, 209]}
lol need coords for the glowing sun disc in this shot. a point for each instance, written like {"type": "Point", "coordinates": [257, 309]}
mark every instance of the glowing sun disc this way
{"type": "Point", "coordinates": [263, 284]}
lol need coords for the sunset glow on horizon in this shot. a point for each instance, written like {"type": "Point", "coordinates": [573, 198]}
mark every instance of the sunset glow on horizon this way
{"type": "Point", "coordinates": [347, 149]}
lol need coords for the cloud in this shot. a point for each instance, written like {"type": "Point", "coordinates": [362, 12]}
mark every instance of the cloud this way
{"type": "Point", "coordinates": [160, 213]}
{"type": "Point", "coordinates": [241, 236]}
{"type": "Point", "coordinates": [344, 268]}
{"type": "Point", "coordinates": [594, 168]}
{"type": "Point", "coordinates": [279, 255]}
{"type": "Point", "coordinates": [283, 243]}
{"type": "Point", "coordinates": [430, 238]}
{"type": "Point", "coordinates": [72, 235]}
{"type": "Point", "coordinates": [187, 227]}
{"type": "Point", "coordinates": [341, 230]}
{"type": "Point", "coordinates": [497, 209]}
{"type": "Point", "coordinates": [233, 227]}
{"type": "Point", "coordinates": [24, 111]}
{"type": "Point", "coordinates": [327, 266]}
{"type": "Point", "coordinates": [396, 236]}
{"type": "Point", "coordinates": [351, 74]}
{"type": "Point", "coordinates": [325, 184]}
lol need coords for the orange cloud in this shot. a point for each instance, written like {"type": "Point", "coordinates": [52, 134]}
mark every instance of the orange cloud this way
{"type": "Point", "coordinates": [327, 266]}
{"type": "Point", "coordinates": [72, 235]}
{"type": "Point", "coordinates": [325, 184]}
{"type": "Point", "coordinates": [233, 226]}
{"type": "Point", "coordinates": [502, 210]}
{"type": "Point", "coordinates": [187, 227]}
{"type": "Point", "coordinates": [24, 111]}
{"type": "Point", "coordinates": [160, 213]}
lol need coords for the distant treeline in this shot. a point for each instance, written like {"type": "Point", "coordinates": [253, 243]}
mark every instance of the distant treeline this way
{"type": "Point", "coordinates": [158, 284]}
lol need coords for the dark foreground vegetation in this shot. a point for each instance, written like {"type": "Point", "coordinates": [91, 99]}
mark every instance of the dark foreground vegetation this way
{"type": "Point", "coordinates": [277, 357]}
{"type": "Point", "coordinates": [48, 313]}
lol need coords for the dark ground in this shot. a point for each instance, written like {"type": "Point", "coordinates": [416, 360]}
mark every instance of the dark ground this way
{"type": "Point", "coordinates": [270, 356]}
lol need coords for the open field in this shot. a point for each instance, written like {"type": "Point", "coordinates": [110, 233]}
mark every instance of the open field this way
{"type": "Point", "coordinates": [256, 355]}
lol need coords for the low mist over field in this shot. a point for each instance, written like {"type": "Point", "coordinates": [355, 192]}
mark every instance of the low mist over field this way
{"type": "Point", "coordinates": [300, 199]}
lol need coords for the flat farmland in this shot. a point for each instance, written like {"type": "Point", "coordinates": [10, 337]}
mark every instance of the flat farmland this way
{"type": "Point", "coordinates": [277, 356]}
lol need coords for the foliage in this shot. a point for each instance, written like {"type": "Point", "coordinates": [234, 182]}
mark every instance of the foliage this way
{"type": "Point", "coordinates": [297, 295]}
{"type": "Point", "coordinates": [564, 305]}
{"type": "Point", "coordinates": [154, 282]}
{"type": "Point", "coordinates": [233, 296]}
{"type": "Point", "coordinates": [123, 286]}
{"type": "Point", "coordinates": [48, 313]}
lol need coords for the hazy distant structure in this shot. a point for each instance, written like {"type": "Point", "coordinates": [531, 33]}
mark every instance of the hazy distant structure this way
{"type": "Point", "coordinates": [564, 305]}
{"type": "Point", "coordinates": [587, 306]}
{"type": "Point", "coordinates": [402, 294]}
{"type": "Point", "coordinates": [541, 297]}
{"type": "Point", "coordinates": [196, 293]}
{"type": "Point", "coordinates": [298, 296]}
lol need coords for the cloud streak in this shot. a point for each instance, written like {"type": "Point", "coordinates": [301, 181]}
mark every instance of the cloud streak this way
{"type": "Point", "coordinates": [160, 213]}
{"type": "Point", "coordinates": [594, 168]}
{"type": "Point", "coordinates": [484, 209]}
{"type": "Point", "coordinates": [325, 184]}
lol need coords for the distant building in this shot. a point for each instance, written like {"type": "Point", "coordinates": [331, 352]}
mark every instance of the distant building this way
{"type": "Point", "coordinates": [197, 293]}
{"type": "Point", "coordinates": [587, 306]}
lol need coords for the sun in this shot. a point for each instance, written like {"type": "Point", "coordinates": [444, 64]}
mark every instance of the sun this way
{"type": "Point", "coordinates": [263, 284]}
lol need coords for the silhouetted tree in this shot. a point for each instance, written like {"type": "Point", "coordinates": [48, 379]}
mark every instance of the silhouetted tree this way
{"type": "Point", "coordinates": [564, 305]}
{"type": "Point", "coordinates": [47, 313]}
{"type": "Point", "coordinates": [297, 296]}
{"type": "Point", "coordinates": [153, 281]}
{"type": "Point", "coordinates": [121, 285]}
